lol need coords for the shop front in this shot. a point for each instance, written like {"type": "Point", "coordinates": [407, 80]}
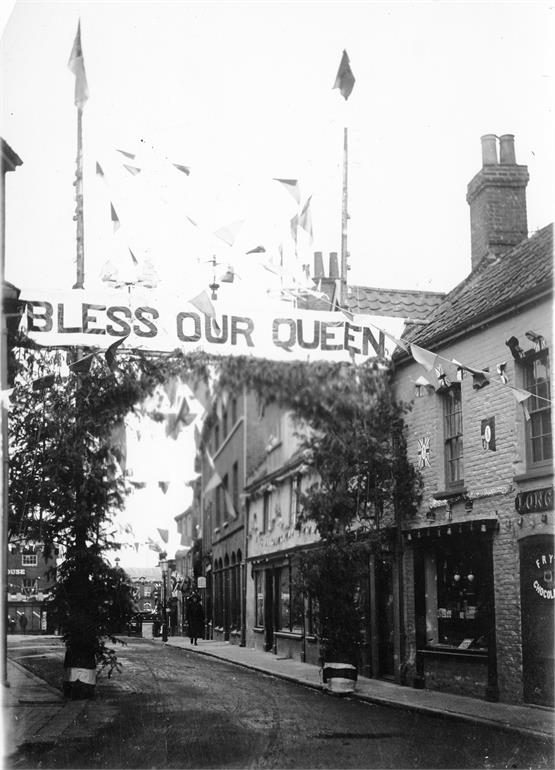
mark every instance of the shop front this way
{"type": "Point", "coordinates": [455, 608]}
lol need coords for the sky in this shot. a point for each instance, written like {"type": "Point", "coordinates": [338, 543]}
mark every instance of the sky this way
{"type": "Point", "coordinates": [241, 94]}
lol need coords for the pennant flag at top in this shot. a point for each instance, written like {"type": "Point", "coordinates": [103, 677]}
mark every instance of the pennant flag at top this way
{"type": "Point", "coordinates": [345, 80]}
{"type": "Point", "coordinates": [305, 219]}
{"type": "Point", "coordinates": [76, 64]}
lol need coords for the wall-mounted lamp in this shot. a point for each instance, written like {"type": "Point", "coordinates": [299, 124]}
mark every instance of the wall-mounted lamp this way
{"type": "Point", "coordinates": [513, 345]}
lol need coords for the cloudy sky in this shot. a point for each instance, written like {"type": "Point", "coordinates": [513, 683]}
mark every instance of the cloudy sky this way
{"type": "Point", "coordinates": [242, 93]}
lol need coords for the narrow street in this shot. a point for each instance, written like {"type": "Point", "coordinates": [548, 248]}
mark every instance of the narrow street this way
{"type": "Point", "coordinates": [171, 708]}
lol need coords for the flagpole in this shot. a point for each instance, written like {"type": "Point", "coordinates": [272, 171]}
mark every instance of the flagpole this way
{"type": "Point", "coordinates": [80, 229]}
{"type": "Point", "coordinates": [344, 220]}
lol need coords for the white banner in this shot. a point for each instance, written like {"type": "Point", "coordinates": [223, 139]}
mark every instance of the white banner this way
{"type": "Point", "coordinates": [164, 323]}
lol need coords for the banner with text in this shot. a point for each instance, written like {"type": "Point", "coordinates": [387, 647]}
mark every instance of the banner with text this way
{"type": "Point", "coordinates": [165, 323]}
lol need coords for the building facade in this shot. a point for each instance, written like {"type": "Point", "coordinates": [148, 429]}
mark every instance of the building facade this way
{"type": "Point", "coordinates": [476, 612]}
{"type": "Point", "coordinates": [30, 577]}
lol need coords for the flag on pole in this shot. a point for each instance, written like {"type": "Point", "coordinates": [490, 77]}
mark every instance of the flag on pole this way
{"type": "Point", "coordinates": [345, 80]}
{"type": "Point", "coordinates": [76, 64]}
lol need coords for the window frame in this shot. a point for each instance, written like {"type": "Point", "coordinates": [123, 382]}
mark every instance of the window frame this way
{"type": "Point", "coordinates": [530, 384]}
{"type": "Point", "coordinates": [33, 560]}
{"type": "Point", "coordinates": [453, 433]}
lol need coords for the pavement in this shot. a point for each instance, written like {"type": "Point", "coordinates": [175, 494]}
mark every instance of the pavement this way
{"type": "Point", "coordinates": [35, 713]}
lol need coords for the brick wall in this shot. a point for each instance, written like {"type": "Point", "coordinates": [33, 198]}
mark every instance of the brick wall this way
{"type": "Point", "coordinates": [489, 480]}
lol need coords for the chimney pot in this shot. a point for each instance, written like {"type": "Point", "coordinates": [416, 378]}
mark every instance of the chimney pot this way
{"type": "Point", "coordinates": [334, 265]}
{"type": "Point", "coordinates": [507, 150]}
{"type": "Point", "coordinates": [318, 265]}
{"type": "Point", "coordinates": [489, 149]}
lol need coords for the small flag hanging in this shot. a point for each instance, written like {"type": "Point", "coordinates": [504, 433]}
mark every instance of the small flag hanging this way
{"type": "Point", "coordinates": [99, 169]}
{"type": "Point", "coordinates": [424, 452]}
{"type": "Point", "coordinates": [184, 169]}
{"type": "Point", "coordinates": [203, 303]}
{"type": "Point", "coordinates": [133, 170]}
{"type": "Point", "coordinates": [424, 357]}
{"type": "Point", "coordinates": [257, 250]}
{"type": "Point", "coordinates": [114, 217]}
{"type": "Point", "coordinates": [305, 218]}
{"type": "Point", "coordinates": [292, 187]}
{"type": "Point", "coordinates": [229, 504]}
{"type": "Point", "coordinates": [344, 80]}
{"type": "Point", "coordinates": [130, 155]}
{"type": "Point", "coordinates": [487, 433]}
{"type": "Point", "coordinates": [164, 534]}
{"type": "Point", "coordinates": [43, 382]}
{"type": "Point", "coordinates": [76, 64]}
{"type": "Point", "coordinates": [501, 372]}
{"type": "Point", "coordinates": [83, 365]}
{"type": "Point", "coordinates": [228, 233]}
{"type": "Point", "coordinates": [110, 354]}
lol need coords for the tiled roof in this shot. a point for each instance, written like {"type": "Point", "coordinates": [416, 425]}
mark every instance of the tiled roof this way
{"type": "Point", "coordinates": [396, 303]}
{"type": "Point", "coordinates": [497, 284]}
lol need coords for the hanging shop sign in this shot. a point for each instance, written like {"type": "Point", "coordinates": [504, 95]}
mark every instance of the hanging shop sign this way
{"type": "Point", "coordinates": [535, 500]}
{"type": "Point", "coordinates": [165, 323]}
{"type": "Point", "coordinates": [487, 432]}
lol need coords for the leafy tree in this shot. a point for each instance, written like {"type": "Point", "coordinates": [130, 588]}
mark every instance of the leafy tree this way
{"type": "Point", "coordinates": [66, 482]}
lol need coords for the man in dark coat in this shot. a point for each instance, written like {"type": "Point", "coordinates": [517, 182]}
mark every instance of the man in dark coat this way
{"type": "Point", "coordinates": [195, 618]}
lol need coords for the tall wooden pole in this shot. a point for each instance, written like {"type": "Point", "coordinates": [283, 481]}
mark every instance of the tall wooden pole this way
{"type": "Point", "coordinates": [344, 220]}
{"type": "Point", "coordinates": [80, 239]}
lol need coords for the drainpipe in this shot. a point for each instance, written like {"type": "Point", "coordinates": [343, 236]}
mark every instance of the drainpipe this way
{"type": "Point", "coordinates": [245, 529]}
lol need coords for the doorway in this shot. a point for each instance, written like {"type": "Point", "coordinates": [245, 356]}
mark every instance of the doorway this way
{"type": "Point", "coordinates": [385, 617]}
{"type": "Point", "coordinates": [536, 599]}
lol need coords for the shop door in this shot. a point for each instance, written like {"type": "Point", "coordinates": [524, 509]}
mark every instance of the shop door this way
{"type": "Point", "coordinates": [385, 616]}
{"type": "Point", "coordinates": [536, 597]}
{"type": "Point", "coordinates": [269, 610]}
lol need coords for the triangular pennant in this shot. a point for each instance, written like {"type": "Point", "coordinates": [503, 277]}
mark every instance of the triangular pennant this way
{"type": "Point", "coordinates": [129, 155]}
{"type": "Point", "coordinates": [257, 250]}
{"type": "Point", "coordinates": [229, 503]}
{"type": "Point", "coordinates": [292, 187]}
{"type": "Point", "coordinates": [305, 219]}
{"type": "Point", "coordinates": [99, 169]}
{"type": "Point", "coordinates": [43, 382]}
{"type": "Point", "coordinates": [424, 357]}
{"type": "Point", "coordinates": [114, 217]}
{"type": "Point", "coordinates": [83, 365]}
{"type": "Point", "coordinates": [214, 482]}
{"type": "Point", "coordinates": [184, 169]}
{"type": "Point", "coordinates": [344, 80]}
{"type": "Point", "coordinates": [133, 170]}
{"type": "Point", "coordinates": [203, 303]}
{"type": "Point", "coordinates": [164, 534]}
{"type": "Point", "coordinates": [228, 233]}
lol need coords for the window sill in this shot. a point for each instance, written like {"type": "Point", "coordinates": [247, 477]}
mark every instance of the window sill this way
{"type": "Point", "coordinates": [288, 634]}
{"type": "Point", "coordinates": [535, 473]}
{"type": "Point", "coordinates": [445, 494]}
{"type": "Point", "coordinates": [450, 652]}
{"type": "Point", "coordinates": [258, 629]}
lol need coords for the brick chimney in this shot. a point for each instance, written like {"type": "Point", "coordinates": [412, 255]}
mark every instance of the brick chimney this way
{"type": "Point", "coordinates": [497, 199]}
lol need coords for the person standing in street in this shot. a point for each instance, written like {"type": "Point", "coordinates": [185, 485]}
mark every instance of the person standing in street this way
{"type": "Point", "coordinates": [195, 618]}
{"type": "Point", "coordinates": [23, 623]}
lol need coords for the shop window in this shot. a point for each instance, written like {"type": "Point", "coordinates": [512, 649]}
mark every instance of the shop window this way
{"type": "Point", "coordinates": [297, 602]}
{"type": "Point", "coordinates": [29, 560]}
{"type": "Point", "coordinates": [453, 436]}
{"type": "Point", "coordinates": [265, 511]}
{"type": "Point", "coordinates": [311, 616]}
{"type": "Point", "coordinates": [538, 428]}
{"type": "Point", "coordinates": [294, 495]}
{"type": "Point", "coordinates": [457, 592]}
{"type": "Point", "coordinates": [29, 586]}
{"type": "Point", "coordinates": [258, 599]}
{"type": "Point", "coordinates": [284, 600]}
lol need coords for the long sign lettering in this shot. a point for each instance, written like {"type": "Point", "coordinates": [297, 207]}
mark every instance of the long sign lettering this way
{"type": "Point", "coordinates": [165, 323]}
{"type": "Point", "coordinates": [535, 501]}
